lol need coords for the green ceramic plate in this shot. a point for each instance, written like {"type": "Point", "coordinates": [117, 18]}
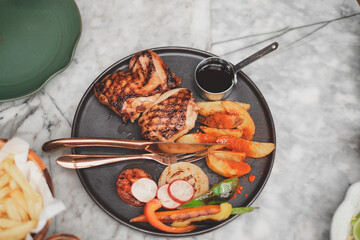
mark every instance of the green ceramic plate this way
{"type": "Point", "coordinates": [37, 41]}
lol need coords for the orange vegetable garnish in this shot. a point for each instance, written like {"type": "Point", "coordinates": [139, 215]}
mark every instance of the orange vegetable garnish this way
{"type": "Point", "coordinates": [181, 214]}
{"type": "Point", "coordinates": [221, 120]}
{"type": "Point", "coordinates": [235, 144]}
{"type": "Point", "coordinates": [250, 148]}
{"type": "Point", "coordinates": [149, 212]}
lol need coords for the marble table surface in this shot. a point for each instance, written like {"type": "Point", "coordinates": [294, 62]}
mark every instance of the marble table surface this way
{"type": "Point", "coordinates": [311, 84]}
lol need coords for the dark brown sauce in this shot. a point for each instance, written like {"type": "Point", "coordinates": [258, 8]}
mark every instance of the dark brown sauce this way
{"type": "Point", "coordinates": [214, 78]}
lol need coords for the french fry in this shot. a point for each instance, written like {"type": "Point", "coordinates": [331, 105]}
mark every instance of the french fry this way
{"type": "Point", "coordinates": [217, 132]}
{"type": "Point", "coordinates": [2, 208]}
{"type": "Point", "coordinates": [17, 232]}
{"type": "Point", "coordinates": [12, 210]}
{"type": "Point", "coordinates": [18, 177]}
{"type": "Point", "coordinates": [34, 199]}
{"type": "Point", "coordinates": [247, 125]}
{"type": "Point", "coordinates": [23, 215]}
{"type": "Point", "coordinates": [18, 197]}
{"type": "Point", "coordinates": [4, 179]}
{"type": "Point", "coordinates": [13, 184]}
{"type": "Point", "coordinates": [37, 206]}
{"type": "Point", "coordinates": [227, 168]}
{"type": "Point", "coordinates": [7, 223]}
{"type": "Point", "coordinates": [20, 204]}
{"type": "Point", "coordinates": [210, 108]}
{"type": "Point", "coordinates": [4, 192]}
{"type": "Point", "coordinates": [221, 120]}
{"type": "Point", "coordinates": [251, 149]}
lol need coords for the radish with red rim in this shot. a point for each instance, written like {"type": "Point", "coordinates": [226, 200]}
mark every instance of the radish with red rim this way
{"type": "Point", "coordinates": [166, 200]}
{"type": "Point", "coordinates": [144, 189]}
{"type": "Point", "coordinates": [181, 191]}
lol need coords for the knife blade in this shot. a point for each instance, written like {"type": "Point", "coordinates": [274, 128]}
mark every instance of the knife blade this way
{"type": "Point", "coordinates": [154, 147]}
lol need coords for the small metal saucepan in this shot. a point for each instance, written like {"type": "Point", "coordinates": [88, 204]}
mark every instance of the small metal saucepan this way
{"type": "Point", "coordinates": [216, 77]}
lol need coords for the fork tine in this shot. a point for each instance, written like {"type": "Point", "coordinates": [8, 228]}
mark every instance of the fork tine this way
{"type": "Point", "coordinates": [187, 155]}
{"type": "Point", "coordinates": [192, 159]}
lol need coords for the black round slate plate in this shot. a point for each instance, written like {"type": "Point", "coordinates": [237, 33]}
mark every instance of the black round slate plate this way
{"type": "Point", "coordinates": [93, 119]}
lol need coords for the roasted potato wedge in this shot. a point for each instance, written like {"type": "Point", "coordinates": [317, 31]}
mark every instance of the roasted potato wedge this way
{"type": "Point", "coordinates": [221, 120]}
{"type": "Point", "coordinates": [251, 149]}
{"type": "Point", "coordinates": [227, 168]}
{"type": "Point", "coordinates": [247, 125]}
{"type": "Point", "coordinates": [245, 106]}
{"type": "Point", "coordinates": [210, 108]}
{"type": "Point", "coordinates": [197, 138]}
{"type": "Point", "coordinates": [217, 132]}
{"type": "Point", "coordinates": [217, 148]}
{"type": "Point", "coordinates": [230, 155]}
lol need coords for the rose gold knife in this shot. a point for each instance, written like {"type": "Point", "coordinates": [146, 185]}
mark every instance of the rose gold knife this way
{"type": "Point", "coordinates": [154, 147]}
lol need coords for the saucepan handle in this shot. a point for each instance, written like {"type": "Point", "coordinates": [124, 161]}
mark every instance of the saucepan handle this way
{"type": "Point", "coordinates": [256, 56]}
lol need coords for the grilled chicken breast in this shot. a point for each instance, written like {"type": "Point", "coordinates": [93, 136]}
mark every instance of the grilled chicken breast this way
{"type": "Point", "coordinates": [129, 93]}
{"type": "Point", "coordinates": [171, 116]}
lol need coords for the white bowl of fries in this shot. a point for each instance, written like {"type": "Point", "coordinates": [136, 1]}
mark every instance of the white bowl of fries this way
{"type": "Point", "coordinates": [26, 193]}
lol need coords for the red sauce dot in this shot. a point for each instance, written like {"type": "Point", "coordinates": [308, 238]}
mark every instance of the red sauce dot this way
{"type": "Point", "coordinates": [251, 178]}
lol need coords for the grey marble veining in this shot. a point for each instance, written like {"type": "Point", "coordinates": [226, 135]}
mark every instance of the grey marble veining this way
{"type": "Point", "coordinates": [311, 84]}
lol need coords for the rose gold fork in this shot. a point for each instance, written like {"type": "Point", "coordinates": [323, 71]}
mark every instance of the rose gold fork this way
{"type": "Point", "coordinates": [79, 161]}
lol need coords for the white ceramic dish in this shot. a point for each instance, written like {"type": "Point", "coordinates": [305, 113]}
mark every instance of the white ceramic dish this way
{"type": "Point", "coordinates": [340, 225]}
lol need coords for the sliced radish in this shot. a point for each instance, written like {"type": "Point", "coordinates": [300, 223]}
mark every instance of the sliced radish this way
{"type": "Point", "coordinates": [144, 189]}
{"type": "Point", "coordinates": [166, 200]}
{"type": "Point", "coordinates": [181, 191]}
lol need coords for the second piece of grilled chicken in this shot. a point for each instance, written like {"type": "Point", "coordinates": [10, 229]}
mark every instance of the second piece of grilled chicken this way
{"type": "Point", "coordinates": [129, 93]}
{"type": "Point", "coordinates": [171, 116]}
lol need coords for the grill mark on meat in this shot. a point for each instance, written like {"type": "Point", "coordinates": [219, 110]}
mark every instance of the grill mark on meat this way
{"type": "Point", "coordinates": [158, 88]}
{"type": "Point", "coordinates": [116, 88]}
{"type": "Point", "coordinates": [150, 67]}
{"type": "Point", "coordinates": [170, 80]}
{"type": "Point", "coordinates": [167, 117]}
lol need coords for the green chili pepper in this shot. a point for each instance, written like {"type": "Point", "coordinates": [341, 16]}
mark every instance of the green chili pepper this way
{"type": "Point", "coordinates": [219, 193]}
{"type": "Point", "coordinates": [242, 210]}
